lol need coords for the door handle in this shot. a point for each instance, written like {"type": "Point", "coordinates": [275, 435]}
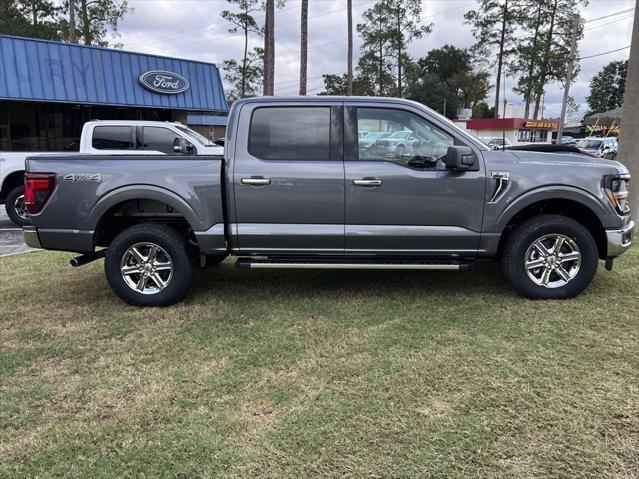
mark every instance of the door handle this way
{"type": "Point", "coordinates": [367, 182]}
{"type": "Point", "coordinates": [256, 181]}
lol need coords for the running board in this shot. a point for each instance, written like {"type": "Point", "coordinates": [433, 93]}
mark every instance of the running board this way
{"type": "Point", "coordinates": [250, 263]}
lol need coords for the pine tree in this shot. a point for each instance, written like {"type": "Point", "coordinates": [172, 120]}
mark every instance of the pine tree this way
{"type": "Point", "coordinates": [607, 87]}
{"type": "Point", "coordinates": [389, 27]}
{"type": "Point", "coordinates": [245, 22]}
{"type": "Point", "coordinates": [493, 26]}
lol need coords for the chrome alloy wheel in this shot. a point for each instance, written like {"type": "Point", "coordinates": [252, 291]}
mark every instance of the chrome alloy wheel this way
{"type": "Point", "coordinates": [552, 261]}
{"type": "Point", "coordinates": [146, 268]}
{"type": "Point", "coordinates": [20, 207]}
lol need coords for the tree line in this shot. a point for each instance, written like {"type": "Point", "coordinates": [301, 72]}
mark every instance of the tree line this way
{"type": "Point", "coordinates": [526, 40]}
{"type": "Point", "coordinates": [75, 21]}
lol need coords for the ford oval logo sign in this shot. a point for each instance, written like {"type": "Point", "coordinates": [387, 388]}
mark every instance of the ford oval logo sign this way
{"type": "Point", "coordinates": [160, 81]}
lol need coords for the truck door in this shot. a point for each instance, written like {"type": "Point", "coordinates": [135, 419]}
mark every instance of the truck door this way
{"type": "Point", "coordinates": [400, 198]}
{"type": "Point", "coordinates": [288, 179]}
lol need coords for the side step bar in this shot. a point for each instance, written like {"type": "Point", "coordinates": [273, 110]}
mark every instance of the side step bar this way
{"type": "Point", "coordinates": [250, 263]}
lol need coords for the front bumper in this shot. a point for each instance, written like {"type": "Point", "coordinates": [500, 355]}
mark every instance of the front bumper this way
{"type": "Point", "coordinates": [619, 240]}
{"type": "Point", "coordinates": [31, 237]}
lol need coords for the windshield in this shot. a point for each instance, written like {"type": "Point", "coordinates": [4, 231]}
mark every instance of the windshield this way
{"type": "Point", "coordinates": [202, 140]}
{"type": "Point", "coordinates": [588, 144]}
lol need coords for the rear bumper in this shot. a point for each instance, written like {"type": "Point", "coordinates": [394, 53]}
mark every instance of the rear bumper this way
{"type": "Point", "coordinates": [77, 241]}
{"type": "Point", "coordinates": [31, 237]}
{"type": "Point", "coordinates": [619, 240]}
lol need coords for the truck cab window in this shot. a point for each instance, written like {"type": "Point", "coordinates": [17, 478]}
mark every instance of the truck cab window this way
{"type": "Point", "coordinates": [290, 133]}
{"type": "Point", "coordinates": [112, 138]}
{"type": "Point", "coordinates": [386, 134]}
{"type": "Point", "coordinates": [161, 139]}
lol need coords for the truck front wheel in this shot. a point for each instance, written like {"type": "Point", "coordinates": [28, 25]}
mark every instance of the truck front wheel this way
{"type": "Point", "coordinates": [550, 257]}
{"type": "Point", "coordinates": [148, 265]}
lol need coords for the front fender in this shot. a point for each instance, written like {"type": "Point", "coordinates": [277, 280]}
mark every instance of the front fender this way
{"type": "Point", "coordinates": [500, 219]}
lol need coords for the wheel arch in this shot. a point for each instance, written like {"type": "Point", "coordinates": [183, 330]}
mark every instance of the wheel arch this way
{"type": "Point", "coordinates": [570, 202]}
{"type": "Point", "coordinates": [13, 179]}
{"type": "Point", "coordinates": [130, 205]}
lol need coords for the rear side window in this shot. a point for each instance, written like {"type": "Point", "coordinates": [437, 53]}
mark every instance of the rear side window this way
{"type": "Point", "coordinates": [290, 133]}
{"type": "Point", "coordinates": [159, 139]}
{"type": "Point", "coordinates": [112, 138]}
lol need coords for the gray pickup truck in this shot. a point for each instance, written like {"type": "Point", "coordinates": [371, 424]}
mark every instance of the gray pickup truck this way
{"type": "Point", "coordinates": [297, 188]}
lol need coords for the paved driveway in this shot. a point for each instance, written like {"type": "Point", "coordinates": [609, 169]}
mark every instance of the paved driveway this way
{"type": "Point", "coordinates": [11, 238]}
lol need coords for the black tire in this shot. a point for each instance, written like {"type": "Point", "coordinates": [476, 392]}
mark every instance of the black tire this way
{"type": "Point", "coordinates": [10, 205]}
{"type": "Point", "coordinates": [173, 246]}
{"type": "Point", "coordinates": [522, 238]}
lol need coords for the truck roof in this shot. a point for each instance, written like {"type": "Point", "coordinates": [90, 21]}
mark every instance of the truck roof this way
{"type": "Point", "coordinates": [367, 100]}
{"type": "Point", "coordinates": [133, 122]}
{"type": "Point", "coordinates": [326, 98]}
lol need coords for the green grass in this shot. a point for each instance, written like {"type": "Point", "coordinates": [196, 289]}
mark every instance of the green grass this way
{"type": "Point", "coordinates": [295, 374]}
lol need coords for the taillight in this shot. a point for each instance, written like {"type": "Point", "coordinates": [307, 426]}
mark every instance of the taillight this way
{"type": "Point", "coordinates": [37, 190]}
{"type": "Point", "coordinates": [616, 188]}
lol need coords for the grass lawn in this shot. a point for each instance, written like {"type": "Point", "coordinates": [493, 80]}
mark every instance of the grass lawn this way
{"type": "Point", "coordinates": [295, 374]}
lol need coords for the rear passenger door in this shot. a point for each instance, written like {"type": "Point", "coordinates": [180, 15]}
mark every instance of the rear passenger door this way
{"type": "Point", "coordinates": [113, 140]}
{"type": "Point", "coordinates": [288, 179]}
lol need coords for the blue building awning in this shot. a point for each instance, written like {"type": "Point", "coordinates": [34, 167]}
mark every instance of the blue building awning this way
{"type": "Point", "coordinates": [42, 70]}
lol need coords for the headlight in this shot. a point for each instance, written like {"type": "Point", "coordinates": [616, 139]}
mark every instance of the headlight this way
{"type": "Point", "coordinates": [616, 188]}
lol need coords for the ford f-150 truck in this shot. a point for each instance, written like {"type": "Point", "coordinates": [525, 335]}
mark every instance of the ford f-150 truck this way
{"type": "Point", "coordinates": [108, 137]}
{"type": "Point", "coordinates": [294, 190]}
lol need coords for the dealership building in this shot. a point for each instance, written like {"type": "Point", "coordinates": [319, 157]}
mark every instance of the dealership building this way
{"type": "Point", "coordinates": [517, 131]}
{"type": "Point", "coordinates": [48, 90]}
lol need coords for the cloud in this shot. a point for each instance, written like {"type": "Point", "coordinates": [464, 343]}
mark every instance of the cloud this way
{"type": "Point", "coordinates": [193, 29]}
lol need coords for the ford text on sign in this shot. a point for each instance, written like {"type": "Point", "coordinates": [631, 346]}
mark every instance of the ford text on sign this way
{"type": "Point", "coordinates": [160, 81]}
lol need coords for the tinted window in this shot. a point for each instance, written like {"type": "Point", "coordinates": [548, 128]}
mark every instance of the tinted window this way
{"type": "Point", "coordinates": [401, 137]}
{"type": "Point", "coordinates": [159, 139]}
{"type": "Point", "coordinates": [294, 133]}
{"type": "Point", "coordinates": [112, 138]}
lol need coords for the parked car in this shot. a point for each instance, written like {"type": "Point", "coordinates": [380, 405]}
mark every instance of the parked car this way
{"type": "Point", "coordinates": [293, 191]}
{"type": "Point", "coordinates": [566, 140]}
{"type": "Point", "coordinates": [370, 140]}
{"type": "Point", "coordinates": [104, 138]}
{"type": "Point", "coordinates": [400, 142]}
{"type": "Point", "coordinates": [602, 147]}
{"type": "Point", "coordinates": [496, 143]}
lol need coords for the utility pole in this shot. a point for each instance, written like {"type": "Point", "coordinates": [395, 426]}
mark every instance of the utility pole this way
{"type": "Point", "coordinates": [569, 69]}
{"type": "Point", "coordinates": [629, 141]}
{"type": "Point", "coordinates": [349, 62]}
{"type": "Point", "coordinates": [304, 47]}
{"type": "Point", "coordinates": [72, 36]}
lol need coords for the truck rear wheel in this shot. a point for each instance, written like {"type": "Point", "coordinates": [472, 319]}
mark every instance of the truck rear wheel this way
{"type": "Point", "coordinates": [16, 209]}
{"type": "Point", "coordinates": [148, 265]}
{"type": "Point", "coordinates": [550, 257]}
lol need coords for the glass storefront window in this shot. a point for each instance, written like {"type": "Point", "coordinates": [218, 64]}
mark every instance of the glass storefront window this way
{"type": "Point", "coordinates": [35, 126]}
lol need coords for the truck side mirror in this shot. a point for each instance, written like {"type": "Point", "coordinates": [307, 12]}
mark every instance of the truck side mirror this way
{"type": "Point", "coordinates": [460, 158]}
{"type": "Point", "coordinates": [179, 145]}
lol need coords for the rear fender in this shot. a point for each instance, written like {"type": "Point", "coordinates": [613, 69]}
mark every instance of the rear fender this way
{"type": "Point", "coordinates": [139, 192]}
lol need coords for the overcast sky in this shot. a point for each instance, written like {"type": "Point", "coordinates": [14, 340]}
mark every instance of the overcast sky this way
{"type": "Point", "coordinates": [193, 29]}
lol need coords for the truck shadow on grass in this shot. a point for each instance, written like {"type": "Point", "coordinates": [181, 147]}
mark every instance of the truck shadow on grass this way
{"type": "Point", "coordinates": [483, 278]}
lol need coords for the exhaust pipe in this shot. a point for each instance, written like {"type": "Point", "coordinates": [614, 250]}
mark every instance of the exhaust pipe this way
{"type": "Point", "coordinates": [86, 258]}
